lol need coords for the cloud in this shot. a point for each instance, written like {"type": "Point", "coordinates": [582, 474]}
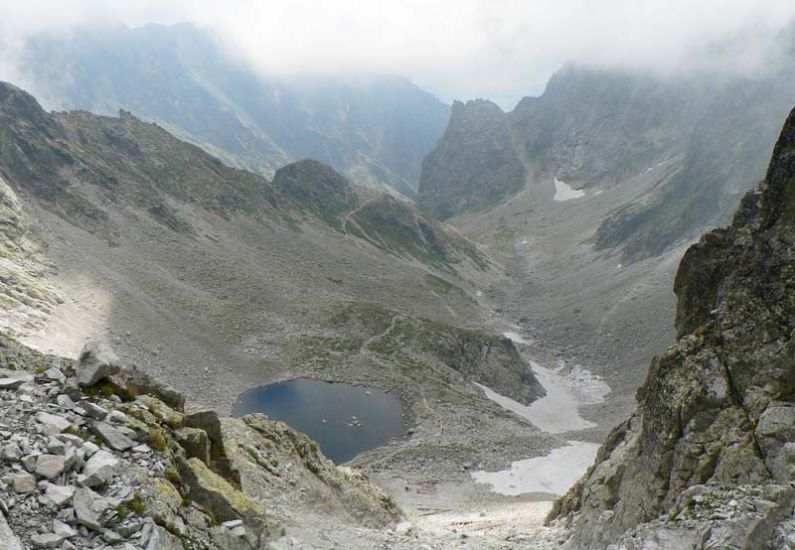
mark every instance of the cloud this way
{"type": "Point", "coordinates": [501, 49]}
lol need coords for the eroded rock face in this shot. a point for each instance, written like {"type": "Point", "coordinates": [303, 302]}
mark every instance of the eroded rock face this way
{"type": "Point", "coordinates": [475, 165]}
{"type": "Point", "coordinates": [716, 407]}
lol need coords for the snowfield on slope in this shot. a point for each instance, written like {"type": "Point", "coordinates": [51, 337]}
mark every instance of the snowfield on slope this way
{"type": "Point", "coordinates": [554, 473]}
{"type": "Point", "coordinates": [564, 192]}
{"type": "Point", "coordinates": [557, 412]}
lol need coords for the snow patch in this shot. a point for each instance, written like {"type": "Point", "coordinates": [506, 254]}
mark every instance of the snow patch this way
{"type": "Point", "coordinates": [554, 473]}
{"type": "Point", "coordinates": [516, 338]}
{"type": "Point", "coordinates": [567, 389]}
{"type": "Point", "coordinates": [564, 192]}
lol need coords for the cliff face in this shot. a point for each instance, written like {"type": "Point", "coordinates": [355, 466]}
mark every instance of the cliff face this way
{"type": "Point", "coordinates": [716, 408]}
{"type": "Point", "coordinates": [476, 163]}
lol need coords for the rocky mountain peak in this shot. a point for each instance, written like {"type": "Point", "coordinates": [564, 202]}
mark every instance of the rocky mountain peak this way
{"type": "Point", "coordinates": [474, 165]}
{"type": "Point", "coordinates": [777, 199]}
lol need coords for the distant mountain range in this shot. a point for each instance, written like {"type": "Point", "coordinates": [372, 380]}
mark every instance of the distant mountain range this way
{"type": "Point", "coordinates": [374, 129]}
{"type": "Point", "coordinates": [704, 139]}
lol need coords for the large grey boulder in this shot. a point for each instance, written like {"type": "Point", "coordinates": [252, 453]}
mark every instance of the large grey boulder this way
{"type": "Point", "coordinates": [60, 495]}
{"type": "Point", "coordinates": [97, 362]}
{"type": "Point", "coordinates": [90, 508]}
{"type": "Point", "coordinates": [10, 383]}
{"type": "Point", "coordinates": [99, 469]}
{"type": "Point", "coordinates": [114, 438]}
{"type": "Point", "coordinates": [53, 423]}
{"type": "Point", "coordinates": [50, 466]}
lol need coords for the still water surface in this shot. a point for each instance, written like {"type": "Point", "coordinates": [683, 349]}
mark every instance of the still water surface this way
{"type": "Point", "coordinates": [344, 419]}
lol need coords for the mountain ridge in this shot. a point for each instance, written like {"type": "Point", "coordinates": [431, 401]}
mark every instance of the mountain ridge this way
{"type": "Point", "coordinates": [375, 129]}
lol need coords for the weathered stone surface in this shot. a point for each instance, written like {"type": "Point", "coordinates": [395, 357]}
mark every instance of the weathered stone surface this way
{"type": "Point", "coordinates": [65, 401]}
{"type": "Point", "coordinates": [91, 509]}
{"type": "Point", "coordinates": [211, 490]}
{"type": "Point", "coordinates": [24, 483]}
{"type": "Point", "coordinates": [46, 540]}
{"type": "Point", "coordinates": [163, 540]}
{"type": "Point", "coordinates": [92, 410]}
{"type": "Point", "coordinates": [53, 423]}
{"type": "Point", "coordinates": [7, 536]}
{"type": "Point", "coordinates": [219, 459]}
{"type": "Point", "coordinates": [56, 446]}
{"type": "Point", "coordinates": [89, 448]}
{"type": "Point", "coordinates": [99, 469]}
{"type": "Point", "coordinates": [62, 529]}
{"type": "Point", "coordinates": [163, 412]}
{"type": "Point", "coordinates": [117, 417]}
{"type": "Point", "coordinates": [10, 383]}
{"type": "Point", "coordinates": [97, 362]}
{"type": "Point", "coordinates": [29, 462]}
{"type": "Point", "coordinates": [50, 466]}
{"type": "Point", "coordinates": [716, 408]}
{"type": "Point", "coordinates": [114, 438]}
{"type": "Point", "coordinates": [54, 373]}
{"type": "Point", "coordinates": [61, 495]}
{"type": "Point", "coordinates": [11, 452]}
{"type": "Point", "coordinates": [195, 442]}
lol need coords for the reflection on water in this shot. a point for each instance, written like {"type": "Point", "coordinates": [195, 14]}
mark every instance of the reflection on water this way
{"type": "Point", "coordinates": [344, 419]}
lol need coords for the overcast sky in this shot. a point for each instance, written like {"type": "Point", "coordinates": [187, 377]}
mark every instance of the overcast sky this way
{"type": "Point", "coordinates": [497, 49]}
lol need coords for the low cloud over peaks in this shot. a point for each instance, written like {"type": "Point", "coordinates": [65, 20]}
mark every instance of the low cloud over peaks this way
{"type": "Point", "coordinates": [500, 49]}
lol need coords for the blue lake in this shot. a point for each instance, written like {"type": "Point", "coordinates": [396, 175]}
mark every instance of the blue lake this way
{"type": "Point", "coordinates": [344, 419]}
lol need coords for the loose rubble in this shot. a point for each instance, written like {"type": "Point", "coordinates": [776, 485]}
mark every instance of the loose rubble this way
{"type": "Point", "coordinates": [118, 463]}
{"type": "Point", "coordinates": [81, 468]}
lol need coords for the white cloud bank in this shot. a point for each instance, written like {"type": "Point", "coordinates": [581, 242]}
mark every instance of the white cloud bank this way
{"type": "Point", "coordinates": [500, 49]}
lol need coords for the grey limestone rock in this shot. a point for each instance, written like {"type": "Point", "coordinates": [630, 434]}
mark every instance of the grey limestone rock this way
{"type": "Point", "coordinates": [97, 361]}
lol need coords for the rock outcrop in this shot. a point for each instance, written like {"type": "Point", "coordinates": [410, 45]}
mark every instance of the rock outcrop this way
{"type": "Point", "coordinates": [108, 462]}
{"type": "Point", "coordinates": [710, 454]}
{"type": "Point", "coordinates": [476, 163]}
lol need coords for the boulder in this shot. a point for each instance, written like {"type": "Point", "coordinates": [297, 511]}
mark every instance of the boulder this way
{"type": "Point", "coordinates": [195, 442]}
{"type": "Point", "coordinates": [50, 466]}
{"type": "Point", "coordinates": [46, 540]}
{"type": "Point", "coordinates": [212, 491]}
{"type": "Point", "coordinates": [54, 373]}
{"type": "Point", "coordinates": [219, 459]}
{"type": "Point", "coordinates": [99, 469]}
{"type": "Point", "coordinates": [114, 438]}
{"type": "Point", "coordinates": [10, 383]}
{"type": "Point", "coordinates": [24, 483]}
{"type": "Point", "coordinates": [53, 423]}
{"type": "Point", "coordinates": [11, 452]}
{"type": "Point", "coordinates": [90, 508]}
{"type": "Point", "coordinates": [163, 412]}
{"type": "Point", "coordinates": [62, 529]}
{"type": "Point", "coordinates": [97, 362]}
{"type": "Point", "coordinates": [92, 410]}
{"type": "Point", "coordinates": [7, 537]}
{"type": "Point", "coordinates": [60, 495]}
{"type": "Point", "coordinates": [161, 539]}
